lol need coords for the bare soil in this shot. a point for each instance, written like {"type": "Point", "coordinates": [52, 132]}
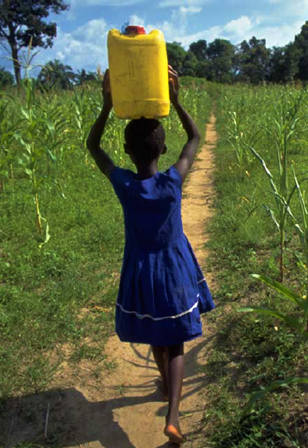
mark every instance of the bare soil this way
{"type": "Point", "coordinates": [121, 407]}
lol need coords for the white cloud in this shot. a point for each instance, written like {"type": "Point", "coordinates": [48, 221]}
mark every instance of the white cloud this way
{"type": "Point", "coordinates": [239, 27]}
{"type": "Point", "coordinates": [86, 47]}
{"type": "Point", "coordinates": [290, 8]}
{"type": "Point", "coordinates": [243, 28]}
{"type": "Point", "coordinates": [209, 35]}
{"type": "Point", "coordinates": [60, 55]}
{"type": "Point", "coordinates": [182, 3]}
{"type": "Point", "coordinates": [91, 31]}
{"type": "Point", "coordinates": [190, 10]}
{"type": "Point", "coordinates": [136, 20]}
{"type": "Point", "coordinates": [116, 3]}
{"type": "Point", "coordinates": [278, 36]}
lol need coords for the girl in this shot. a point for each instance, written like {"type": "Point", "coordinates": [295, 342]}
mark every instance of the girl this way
{"type": "Point", "coordinates": [162, 290]}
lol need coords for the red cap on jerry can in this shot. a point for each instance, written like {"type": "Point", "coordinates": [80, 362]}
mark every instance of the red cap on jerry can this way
{"type": "Point", "coordinates": [132, 29]}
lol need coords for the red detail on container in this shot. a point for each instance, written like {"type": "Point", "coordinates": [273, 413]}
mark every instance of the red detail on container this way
{"type": "Point", "coordinates": [134, 30]}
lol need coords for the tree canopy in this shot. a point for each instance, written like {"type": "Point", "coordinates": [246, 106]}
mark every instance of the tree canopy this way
{"type": "Point", "coordinates": [22, 22]}
{"type": "Point", "coordinates": [249, 61]}
{"type": "Point", "coordinates": [56, 74]}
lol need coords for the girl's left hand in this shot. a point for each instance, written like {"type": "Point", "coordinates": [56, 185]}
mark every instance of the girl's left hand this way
{"type": "Point", "coordinates": [174, 85]}
{"type": "Point", "coordinates": [106, 90]}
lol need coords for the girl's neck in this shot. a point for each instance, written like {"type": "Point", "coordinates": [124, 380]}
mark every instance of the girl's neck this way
{"type": "Point", "coordinates": [146, 171]}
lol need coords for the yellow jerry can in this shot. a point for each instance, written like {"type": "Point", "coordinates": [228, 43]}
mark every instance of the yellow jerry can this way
{"type": "Point", "coordinates": [138, 67]}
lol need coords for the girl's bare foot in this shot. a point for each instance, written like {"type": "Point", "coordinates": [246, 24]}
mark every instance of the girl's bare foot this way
{"type": "Point", "coordinates": [175, 435]}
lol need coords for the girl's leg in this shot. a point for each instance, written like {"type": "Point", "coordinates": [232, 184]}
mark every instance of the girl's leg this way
{"type": "Point", "coordinates": [175, 382]}
{"type": "Point", "coordinates": [161, 358]}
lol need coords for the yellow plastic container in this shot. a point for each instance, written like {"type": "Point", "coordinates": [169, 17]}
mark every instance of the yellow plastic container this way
{"type": "Point", "coordinates": [138, 68]}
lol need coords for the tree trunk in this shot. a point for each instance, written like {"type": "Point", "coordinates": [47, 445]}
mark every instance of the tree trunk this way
{"type": "Point", "coordinates": [14, 52]}
{"type": "Point", "coordinates": [16, 63]}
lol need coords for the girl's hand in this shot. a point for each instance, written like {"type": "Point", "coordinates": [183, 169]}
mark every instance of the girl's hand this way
{"type": "Point", "coordinates": [174, 85]}
{"type": "Point", "coordinates": [106, 90]}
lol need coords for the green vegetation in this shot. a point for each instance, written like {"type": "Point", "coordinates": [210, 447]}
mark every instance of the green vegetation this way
{"type": "Point", "coordinates": [258, 353]}
{"type": "Point", "coordinates": [61, 237]}
{"type": "Point", "coordinates": [6, 78]}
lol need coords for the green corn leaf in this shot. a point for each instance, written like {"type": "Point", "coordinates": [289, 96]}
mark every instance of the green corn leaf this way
{"type": "Point", "coordinates": [289, 320]}
{"type": "Point", "coordinates": [301, 235]}
{"type": "Point", "coordinates": [19, 138]}
{"type": "Point", "coordinates": [47, 234]}
{"type": "Point", "coordinates": [267, 171]}
{"type": "Point", "coordinates": [271, 388]}
{"type": "Point", "coordinates": [284, 203]}
{"type": "Point", "coordinates": [51, 155]}
{"type": "Point", "coordinates": [305, 315]}
{"type": "Point", "coordinates": [301, 200]}
{"type": "Point", "coordinates": [272, 215]}
{"type": "Point", "coordinates": [50, 126]}
{"type": "Point", "coordinates": [287, 292]}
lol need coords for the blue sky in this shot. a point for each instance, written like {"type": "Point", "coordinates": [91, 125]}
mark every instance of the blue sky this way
{"type": "Point", "coordinates": [82, 31]}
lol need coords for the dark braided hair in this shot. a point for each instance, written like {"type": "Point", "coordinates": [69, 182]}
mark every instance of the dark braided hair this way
{"type": "Point", "coordinates": [145, 138]}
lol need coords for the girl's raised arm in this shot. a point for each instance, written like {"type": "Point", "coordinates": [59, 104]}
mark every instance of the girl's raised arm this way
{"type": "Point", "coordinates": [189, 150]}
{"type": "Point", "coordinates": [102, 159]}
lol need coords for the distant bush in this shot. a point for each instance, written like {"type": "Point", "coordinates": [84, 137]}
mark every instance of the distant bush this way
{"type": "Point", "coordinates": [6, 78]}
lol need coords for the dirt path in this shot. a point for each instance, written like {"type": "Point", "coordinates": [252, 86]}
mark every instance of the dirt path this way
{"type": "Point", "coordinates": [123, 409]}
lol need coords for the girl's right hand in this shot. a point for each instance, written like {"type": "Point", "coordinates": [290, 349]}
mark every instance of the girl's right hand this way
{"type": "Point", "coordinates": [174, 85]}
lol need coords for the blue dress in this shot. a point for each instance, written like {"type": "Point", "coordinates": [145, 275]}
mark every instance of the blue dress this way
{"type": "Point", "coordinates": [162, 289]}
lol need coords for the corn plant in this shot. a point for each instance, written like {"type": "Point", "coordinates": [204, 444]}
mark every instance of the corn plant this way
{"type": "Point", "coordinates": [53, 137]}
{"type": "Point", "coordinates": [114, 137]}
{"type": "Point", "coordinates": [243, 124]}
{"type": "Point", "coordinates": [300, 325]}
{"type": "Point", "coordinates": [241, 138]}
{"type": "Point", "coordinates": [7, 129]}
{"type": "Point", "coordinates": [31, 154]}
{"type": "Point", "coordinates": [41, 134]}
{"type": "Point", "coordinates": [302, 231]}
{"type": "Point", "coordinates": [284, 126]}
{"type": "Point", "coordinates": [82, 118]}
{"type": "Point", "coordinates": [297, 324]}
{"type": "Point", "coordinates": [271, 388]}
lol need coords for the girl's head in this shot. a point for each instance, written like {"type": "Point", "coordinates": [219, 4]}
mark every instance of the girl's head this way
{"type": "Point", "coordinates": [144, 140]}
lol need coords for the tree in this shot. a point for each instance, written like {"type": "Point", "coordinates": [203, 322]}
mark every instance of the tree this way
{"type": "Point", "coordinates": [23, 20]}
{"type": "Point", "coordinates": [56, 75]}
{"type": "Point", "coordinates": [84, 76]}
{"type": "Point", "coordinates": [176, 56]}
{"type": "Point", "coordinates": [190, 63]}
{"type": "Point", "coordinates": [199, 49]}
{"type": "Point", "coordinates": [6, 78]}
{"type": "Point", "coordinates": [301, 45]}
{"type": "Point", "coordinates": [292, 57]}
{"type": "Point", "coordinates": [204, 69]}
{"type": "Point", "coordinates": [284, 62]}
{"type": "Point", "coordinates": [252, 61]}
{"type": "Point", "coordinates": [220, 55]}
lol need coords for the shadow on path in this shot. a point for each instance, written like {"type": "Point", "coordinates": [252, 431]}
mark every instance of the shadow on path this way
{"type": "Point", "coordinates": [73, 420]}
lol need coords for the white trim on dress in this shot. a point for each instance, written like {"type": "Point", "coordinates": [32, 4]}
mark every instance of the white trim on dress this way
{"type": "Point", "coordinates": [143, 316]}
